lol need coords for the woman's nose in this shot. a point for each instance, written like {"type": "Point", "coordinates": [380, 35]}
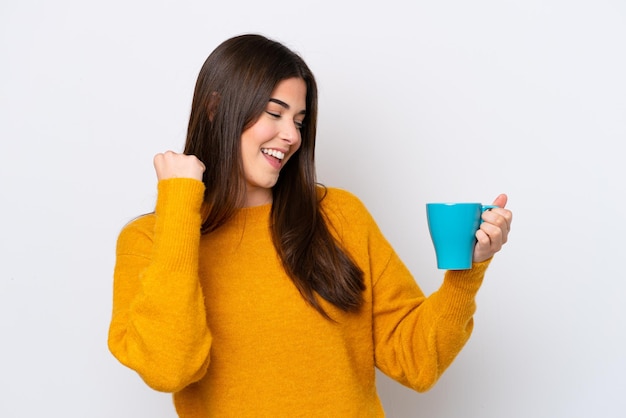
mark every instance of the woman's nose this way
{"type": "Point", "coordinates": [290, 132]}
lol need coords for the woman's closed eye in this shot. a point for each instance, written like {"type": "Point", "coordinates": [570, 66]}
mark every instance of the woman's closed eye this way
{"type": "Point", "coordinates": [274, 115]}
{"type": "Point", "coordinates": [299, 124]}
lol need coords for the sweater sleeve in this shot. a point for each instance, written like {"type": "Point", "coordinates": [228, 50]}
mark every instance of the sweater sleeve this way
{"type": "Point", "coordinates": [158, 326]}
{"type": "Point", "coordinates": [416, 337]}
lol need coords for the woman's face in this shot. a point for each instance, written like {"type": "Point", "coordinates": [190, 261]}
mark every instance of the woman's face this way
{"type": "Point", "coordinates": [267, 145]}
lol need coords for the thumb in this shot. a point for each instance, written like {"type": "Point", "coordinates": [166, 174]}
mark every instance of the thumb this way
{"type": "Point", "coordinates": [501, 200]}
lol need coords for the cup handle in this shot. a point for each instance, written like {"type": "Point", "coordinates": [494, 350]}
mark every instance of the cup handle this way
{"type": "Point", "coordinates": [487, 207]}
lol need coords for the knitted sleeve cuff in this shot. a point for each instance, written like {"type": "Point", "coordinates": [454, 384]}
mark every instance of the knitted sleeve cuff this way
{"type": "Point", "coordinates": [459, 291]}
{"type": "Point", "coordinates": [178, 222]}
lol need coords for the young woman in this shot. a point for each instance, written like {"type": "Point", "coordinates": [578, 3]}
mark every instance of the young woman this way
{"type": "Point", "coordinates": [253, 291]}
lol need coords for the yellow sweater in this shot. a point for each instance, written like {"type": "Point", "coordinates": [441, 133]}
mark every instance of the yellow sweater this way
{"type": "Point", "coordinates": [215, 319]}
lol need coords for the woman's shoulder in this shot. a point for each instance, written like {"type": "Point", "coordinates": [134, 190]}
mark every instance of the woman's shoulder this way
{"type": "Point", "coordinates": [338, 197]}
{"type": "Point", "coordinates": [343, 203]}
{"type": "Point", "coordinates": [141, 226]}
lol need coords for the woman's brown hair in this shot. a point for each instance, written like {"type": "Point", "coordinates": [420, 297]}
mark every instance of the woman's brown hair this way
{"type": "Point", "coordinates": [232, 91]}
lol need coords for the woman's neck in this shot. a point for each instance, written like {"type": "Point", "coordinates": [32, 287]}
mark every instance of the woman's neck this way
{"type": "Point", "coordinates": [258, 197]}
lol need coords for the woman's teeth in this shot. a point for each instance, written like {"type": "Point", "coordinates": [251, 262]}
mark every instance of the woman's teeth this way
{"type": "Point", "coordinates": [274, 153]}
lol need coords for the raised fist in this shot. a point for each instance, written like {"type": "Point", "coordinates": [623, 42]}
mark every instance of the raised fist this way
{"type": "Point", "coordinates": [173, 165]}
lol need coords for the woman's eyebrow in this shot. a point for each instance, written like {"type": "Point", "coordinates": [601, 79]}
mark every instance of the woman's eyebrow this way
{"type": "Point", "coordinates": [285, 105]}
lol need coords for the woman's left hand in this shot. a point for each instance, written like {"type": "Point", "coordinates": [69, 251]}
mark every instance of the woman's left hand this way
{"type": "Point", "coordinates": [494, 231]}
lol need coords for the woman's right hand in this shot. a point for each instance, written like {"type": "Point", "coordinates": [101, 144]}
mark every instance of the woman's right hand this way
{"type": "Point", "coordinates": [173, 165]}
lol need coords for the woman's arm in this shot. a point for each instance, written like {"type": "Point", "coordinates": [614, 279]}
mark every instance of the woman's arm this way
{"type": "Point", "coordinates": [159, 325]}
{"type": "Point", "coordinates": [417, 338]}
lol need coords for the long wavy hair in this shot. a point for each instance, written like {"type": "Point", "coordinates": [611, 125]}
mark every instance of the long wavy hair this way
{"type": "Point", "coordinates": [231, 93]}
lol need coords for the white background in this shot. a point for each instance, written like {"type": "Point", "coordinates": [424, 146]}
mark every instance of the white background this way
{"type": "Point", "coordinates": [419, 101]}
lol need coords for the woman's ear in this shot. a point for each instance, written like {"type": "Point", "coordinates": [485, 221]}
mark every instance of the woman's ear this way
{"type": "Point", "coordinates": [211, 107]}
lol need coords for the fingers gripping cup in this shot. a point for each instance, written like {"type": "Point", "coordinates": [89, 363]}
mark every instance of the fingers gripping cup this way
{"type": "Point", "coordinates": [452, 229]}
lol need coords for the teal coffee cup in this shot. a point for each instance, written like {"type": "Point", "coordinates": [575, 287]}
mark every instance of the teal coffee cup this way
{"type": "Point", "coordinates": [452, 229]}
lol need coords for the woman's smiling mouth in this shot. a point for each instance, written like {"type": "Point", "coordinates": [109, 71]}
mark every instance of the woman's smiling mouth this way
{"type": "Point", "coordinates": [274, 153]}
{"type": "Point", "coordinates": [274, 157]}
